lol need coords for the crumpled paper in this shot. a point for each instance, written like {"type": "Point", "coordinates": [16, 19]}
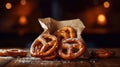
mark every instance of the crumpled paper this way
{"type": "Point", "coordinates": [51, 25]}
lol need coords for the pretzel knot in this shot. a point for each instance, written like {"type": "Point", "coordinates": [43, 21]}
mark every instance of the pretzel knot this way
{"type": "Point", "coordinates": [44, 46]}
{"type": "Point", "coordinates": [71, 48]}
{"type": "Point", "coordinates": [65, 32]}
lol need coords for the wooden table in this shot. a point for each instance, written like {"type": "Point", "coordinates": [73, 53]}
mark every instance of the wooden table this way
{"type": "Point", "coordinates": [36, 62]}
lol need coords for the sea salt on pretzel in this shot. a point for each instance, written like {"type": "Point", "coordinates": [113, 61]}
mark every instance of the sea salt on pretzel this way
{"type": "Point", "coordinates": [65, 32]}
{"type": "Point", "coordinates": [71, 48]}
{"type": "Point", "coordinates": [44, 45]}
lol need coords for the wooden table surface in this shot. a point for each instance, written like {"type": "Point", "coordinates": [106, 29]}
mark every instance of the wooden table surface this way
{"type": "Point", "coordinates": [36, 62]}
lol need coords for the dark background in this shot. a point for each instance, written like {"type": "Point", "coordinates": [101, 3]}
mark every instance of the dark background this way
{"type": "Point", "coordinates": [15, 34]}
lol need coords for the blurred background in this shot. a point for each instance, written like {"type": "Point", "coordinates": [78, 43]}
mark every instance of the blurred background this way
{"type": "Point", "coordinates": [19, 24]}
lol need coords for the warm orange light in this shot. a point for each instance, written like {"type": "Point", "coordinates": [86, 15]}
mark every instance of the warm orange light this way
{"type": "Point", "coordinates": [8, 5]}
{"type": "Point", "coordinates": [23, 2]}
{"type": "Point", "coordinates": [23, 20]}
{"type": "Point", "coordinates": [101, 19]}
{"type": "Point", "coordinates": [106, 4]}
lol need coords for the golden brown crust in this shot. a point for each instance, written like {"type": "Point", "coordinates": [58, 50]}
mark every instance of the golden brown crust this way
{"type": "Point", "coordinates": [65, 32]}
{"type": "Point", "coordinates": [102, 53]}
{"type": "Point", "coordinates": [71, 48]}
{"type": "Point", "coordinates": [44, 46]}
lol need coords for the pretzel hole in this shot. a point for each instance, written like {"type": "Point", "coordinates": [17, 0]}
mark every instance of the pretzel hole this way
{"type": "Point", "coordinates": [38, 43]}
{"type": "Point", "coordinates": [61, 38]}
{"type": "Point", "coordinates": [48, 48]}
{"type": "Point", "coordinates": [64, 51]}
{"type": "Point", "coordinates": [75, 50]}
{"type": "Point", "coordinates": [37, 46]}
{"type": "Point", "coordinates": [67, 31]}
{"type": "Point", "coordinates": [48, 39]}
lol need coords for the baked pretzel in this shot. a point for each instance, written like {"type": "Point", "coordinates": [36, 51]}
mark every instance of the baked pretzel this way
{"type": "Point", "coordinates": [71, 48]}
{"type": "Point", "coordinates": [65, 32]}
{"type": "Point", "coordinates": [13, 52]}
{"type": "Point", "coordinates": [102, 53]}
{"type": "Point", "coordinates": [44, 45]}
{"type": "Point", "coordinates": [17, 52]}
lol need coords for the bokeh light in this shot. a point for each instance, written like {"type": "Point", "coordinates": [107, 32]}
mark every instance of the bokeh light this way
{"type": "Point", "coordinates": [23, 20]}
{"type": "Point", "coordinates": [101, 19]}
{"type": "Point", "coordinates": [106, 4]}
{"type": "Point", "coordinates": [8, 5]}
{"type": "Point", "coordinates": [23, 2]}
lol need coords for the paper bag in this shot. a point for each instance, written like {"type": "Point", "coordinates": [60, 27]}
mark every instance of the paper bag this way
{"type": "Point", "coordinates": [51, 25]}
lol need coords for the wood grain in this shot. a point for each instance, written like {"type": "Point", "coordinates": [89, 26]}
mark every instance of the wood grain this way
{"type": "Point", "coordinates": [28, 61]}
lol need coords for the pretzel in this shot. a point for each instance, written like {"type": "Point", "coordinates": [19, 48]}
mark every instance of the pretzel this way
{"type": "Point", "coordinates": [102, 53]}
{"type": "Point", "coordinates": [71, 48]}
{"type": "Point", "coordinates": [17, 52]}
{"type": "Point", "coordinates": [44, 45]}
{"type": "Point", "coordinates": [13, 52]}
{"type": "Point", "coordinates": [65, 32]}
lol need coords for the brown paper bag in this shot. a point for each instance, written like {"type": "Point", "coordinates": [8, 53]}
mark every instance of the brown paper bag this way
{"type": "Point", "coordinates": [50, 26]}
